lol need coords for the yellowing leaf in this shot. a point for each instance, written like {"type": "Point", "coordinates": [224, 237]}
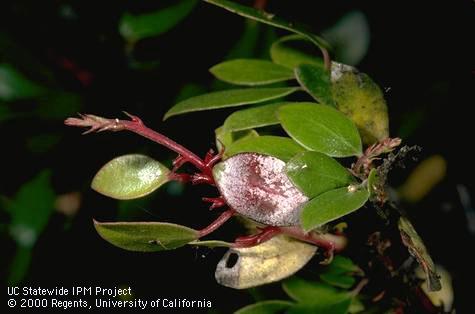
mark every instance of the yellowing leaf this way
{"type": "Point", "coordinates": [271, 261]}
{"type": "Point", "coordinates": [416, 247]}
{"type": "Point", "coordinates": [358, 97]}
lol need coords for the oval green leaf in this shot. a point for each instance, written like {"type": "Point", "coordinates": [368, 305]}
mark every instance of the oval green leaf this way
{"type": "Point", "coordinates": [251, 118]}
{"type": "Point", "coordinates": [145, 236]}
{"type": "Point", "coordinates": [315, 173]}
{"type": "Point", "coordinates": [331, 205]}
{"type": "Point", "coordinates": [136, 27]}
{"type": "Point", "coordinates": [315, 80]}
{"type": "Point", "coordinates": [321, 128]}
{"type": "Point", "coordinates": [286, 53]}
{"type": "Point", "coordinates": [251, 72]}
{"type": "Point", "coordinates": [228, 98]}
{"type": "Point", "coordinates": [266, 307]}
{"type": "Point", "coordinates": [130, 176]}
{"type": "Point", "coordinates": [283, 148]}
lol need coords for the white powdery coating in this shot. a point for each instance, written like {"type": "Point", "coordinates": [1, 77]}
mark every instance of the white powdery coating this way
{"type": "Point", "coordinates": [257, 187]}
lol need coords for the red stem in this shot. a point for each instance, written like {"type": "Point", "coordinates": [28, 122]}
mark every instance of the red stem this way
{"type": "Point", "coordinates": [98, 124]}
{"type": "Point", "coordinates": [330, 242]}
{"type": "Point", "coordinates": [217, 223]}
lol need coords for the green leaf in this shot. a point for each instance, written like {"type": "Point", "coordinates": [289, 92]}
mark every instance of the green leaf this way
{"type": "Point", "coordinates": [338, 280]}
{"type": "Point", "coordinates": [31, 209]}
{"type": "Point", "coordinates": [314, 173]}
{"type": "Point", "coordinates": [361, 99]}
{"type": "Point", "coordinates": [313, 292]}
{"type": "Point", "coordinates": [136, 27]}
{"type": "Point", "coordinates": [145, 236]}
{"type": "Point", "coordinates": [270, 19]}
{"type": "Point", "coordinates": [416, 247]}
{"type": "Point", "coordinates": [283, 148]}
{"type": "Point", "coordinates": [341, 265]}
{"type": "Point", "coordinates": [211, 243]}
{"type": "Point", "coordinates": [331, 205]}
{"type": "Point", "coordinates": [266, 307]}
{"type": "Point", "coordinates": [340, 272]}
{"type": "Point", "coordinates": [130, 176]}
{"type": "Point", "coordinates": [228, 98]}
{"type": "Point", "coordinates": [14, 85]}
{"type": "Point", "coordinates": [321, 128]}
{"type": "Point", "coordinates": [251, 118]}
{"type": "Point", "coordinates": [315, 81]}
{"type": "Point", "coordinates": [356, 306]}
{"type": "Point", "coordinates": [286, 52]}
{"type": "Point", "coordinates": [251, 72]}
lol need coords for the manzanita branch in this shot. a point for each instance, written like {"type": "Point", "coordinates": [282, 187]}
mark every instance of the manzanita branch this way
{"type": "Point", "coordinates": [99, 124]}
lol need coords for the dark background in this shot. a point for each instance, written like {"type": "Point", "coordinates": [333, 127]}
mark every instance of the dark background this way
{"type": "Point", "coordinates": [421, 54]}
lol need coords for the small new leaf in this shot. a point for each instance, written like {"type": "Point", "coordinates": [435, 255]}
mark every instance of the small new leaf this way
{"type": "Point", "coordinates": [130, 176]}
